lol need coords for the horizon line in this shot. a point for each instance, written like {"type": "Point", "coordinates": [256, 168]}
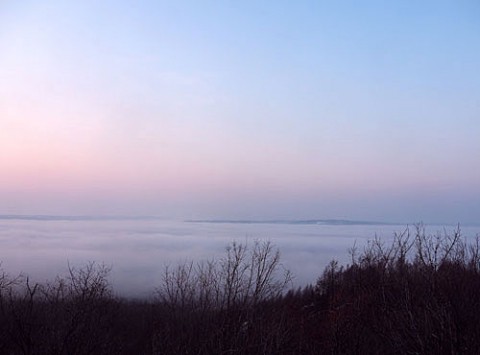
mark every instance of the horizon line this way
{"type": "Point", "coordinates": [293, 221]}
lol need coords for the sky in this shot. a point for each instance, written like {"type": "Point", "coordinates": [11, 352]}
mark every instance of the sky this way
{"type": "Point", "coordinates": [241, 109]}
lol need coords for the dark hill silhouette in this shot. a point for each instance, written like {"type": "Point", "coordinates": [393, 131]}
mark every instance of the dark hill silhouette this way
{"type": "Point", "coordinates": [418, 295]}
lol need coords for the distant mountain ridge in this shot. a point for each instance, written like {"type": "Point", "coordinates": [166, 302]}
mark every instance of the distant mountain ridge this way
{"type": "Point", "coordinates": [328, 222]}
{"type": "Point", "coordinates": [73, 218]}
{"type": "Point", "coordinates": [325, 222]}
{"type": "Point", "coordinates": [340, 222]}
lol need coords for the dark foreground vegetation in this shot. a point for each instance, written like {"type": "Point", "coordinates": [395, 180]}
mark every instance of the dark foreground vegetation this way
{"type": "Point", "coordinates": [418, 295]}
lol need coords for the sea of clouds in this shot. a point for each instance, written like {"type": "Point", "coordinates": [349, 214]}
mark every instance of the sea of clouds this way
{"type": "Point", "coordinates": [138, 250]}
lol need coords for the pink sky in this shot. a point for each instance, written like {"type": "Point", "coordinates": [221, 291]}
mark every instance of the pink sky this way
{"type": "Point", "coordinates": [208, 111]}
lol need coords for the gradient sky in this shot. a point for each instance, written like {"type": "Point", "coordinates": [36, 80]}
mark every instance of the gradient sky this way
{"type": "Point", "coordinates": [241, 109]}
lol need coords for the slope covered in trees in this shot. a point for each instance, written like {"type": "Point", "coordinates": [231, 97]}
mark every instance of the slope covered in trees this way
{"type": "Point", "coordinates": [418, 295]}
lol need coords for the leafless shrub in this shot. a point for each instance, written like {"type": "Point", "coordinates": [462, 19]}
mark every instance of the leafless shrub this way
{"type": "Point", "coordinates": [71, 315]}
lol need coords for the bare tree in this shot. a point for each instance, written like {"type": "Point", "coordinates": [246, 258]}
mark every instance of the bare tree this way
{"type": "Point", "coordinates": [211, 306]}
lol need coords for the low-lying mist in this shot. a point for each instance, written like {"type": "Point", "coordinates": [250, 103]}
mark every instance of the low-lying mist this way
{"type": "Point", "coordinates": [138, 250]}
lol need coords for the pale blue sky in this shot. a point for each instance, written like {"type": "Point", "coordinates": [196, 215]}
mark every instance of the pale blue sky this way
{"type": "Point", "coordinates": [258, 109]}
